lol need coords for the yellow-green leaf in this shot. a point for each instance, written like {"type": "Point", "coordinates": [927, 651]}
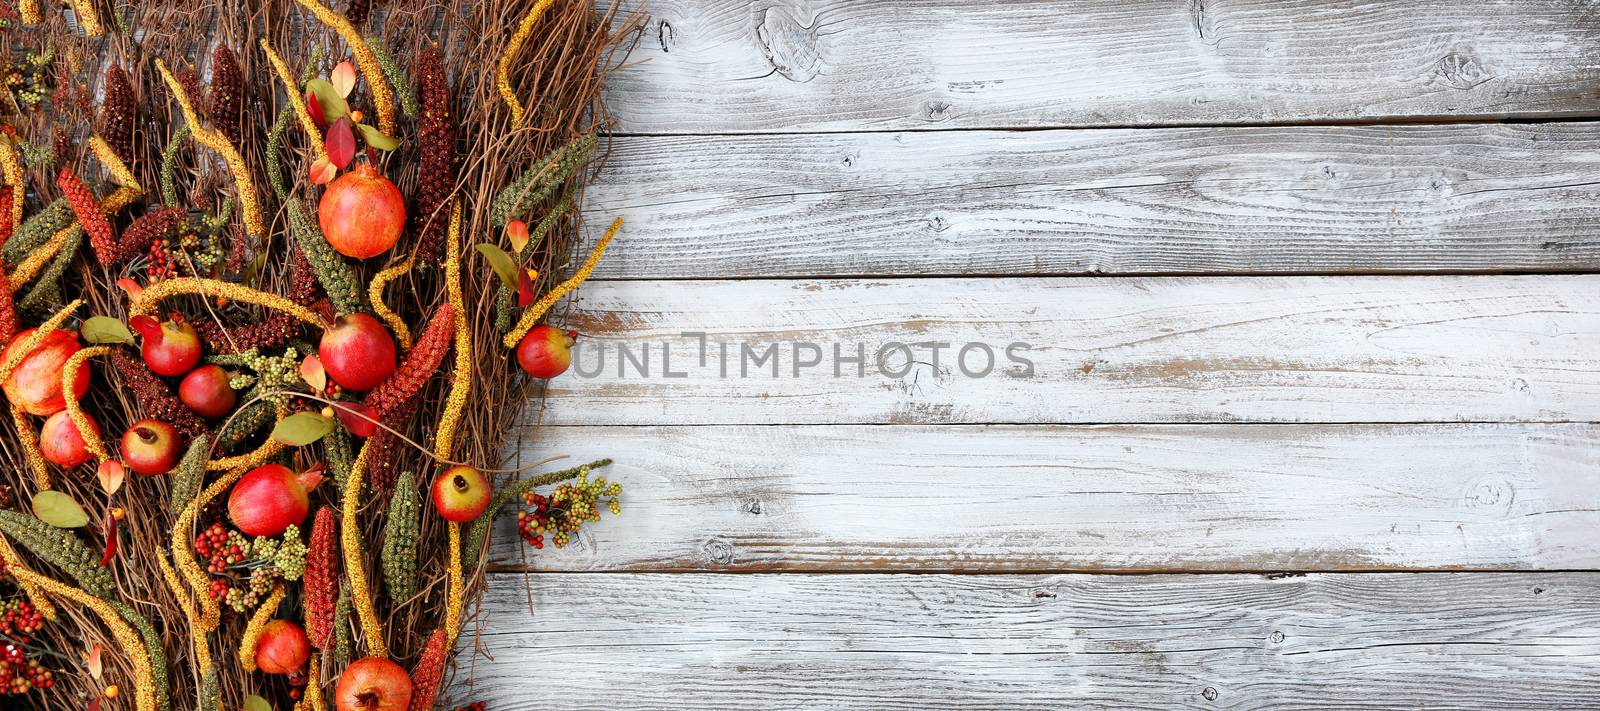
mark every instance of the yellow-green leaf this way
{"type": "Point", "coordinates": [333, 105]}
{"type": "Point", "coordinates": [104, 329]}
{"type": "Point", "coordinates": [302, 428]}
{"type": "Point", "coordinates": [502, 263]}
{"type": "Point", "coordinates": [59, 510]}
{"type": "Point", "coordinates": [256, 703]}
{"type": "Point", "coordinates": [377, 139]}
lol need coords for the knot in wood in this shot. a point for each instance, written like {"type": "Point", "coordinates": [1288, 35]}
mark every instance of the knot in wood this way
{"type": "Point", "coordinates": [789, 44]}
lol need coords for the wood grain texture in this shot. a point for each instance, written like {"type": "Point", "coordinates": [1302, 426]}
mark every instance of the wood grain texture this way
{"type": "Point", "coordinates": [1282, 199]}
{"type": "Point", "coordinates": [1146, 349]}
{"type": "Point", "coordinates": [1389, 641]}
{"type": "Point", "coordinates": [1118, 498]}
{"type": "Point", "coordinates": [720, 66]}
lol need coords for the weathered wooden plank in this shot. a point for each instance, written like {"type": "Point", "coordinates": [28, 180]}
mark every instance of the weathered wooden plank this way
{"type": "Point", "coordinates": [1161, 349]}
{"type": "Point", "coordinates": [717, 66]}
{"type": "Point", "coordinates": [1283, 199]}
{"type": "Point", "coordinates": [1390, 641]}
{"type": "Point", "coordinates": [1114, 498]}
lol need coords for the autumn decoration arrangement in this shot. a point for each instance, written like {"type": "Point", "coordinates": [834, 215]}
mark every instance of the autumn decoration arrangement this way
{"type": "Point", "coordinates": [276, 280]}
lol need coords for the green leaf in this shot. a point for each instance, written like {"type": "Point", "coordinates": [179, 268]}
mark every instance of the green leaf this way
{"type": "Point", "coordinates": [256, 703]}
{"type": "Point", "coordinates": [59, 510]}
{"type": "Point", "coordinates": [376, 138]}
{"type": "Point", "coordinates": [502, 263]}
{"type": "Point", "coordinates": [333, 105]}
{"type": "Point", "coordinates": [302, 428]}
{"type": "Point", "coordinates": [104, 329]}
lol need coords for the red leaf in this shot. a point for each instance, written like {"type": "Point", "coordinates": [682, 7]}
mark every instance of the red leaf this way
{"type": "Point", "coordinates": [111, 540]}
{"type": "Point", "coordinates": [524, 287]}
{"type": "Point", "coordinates": [314, 108]}
{"type": "Point", "coordinates": [94, 704]}
{"type": "Point", "coordinates": [341, 143]}
{"type": "Point", "coordinates": [358, 418]}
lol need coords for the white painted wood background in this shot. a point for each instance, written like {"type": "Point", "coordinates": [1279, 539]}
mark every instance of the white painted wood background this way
{"type": "Point", "coordinates": [1313, 290]}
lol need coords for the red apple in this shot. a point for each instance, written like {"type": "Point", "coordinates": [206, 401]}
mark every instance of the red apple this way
{"type": "Point", "coordinates": [460, 494]}
{"type": "Point", "coordinates": [357, 352]}
{"type": "Point", "coordinates": [62, 444]}
{"type": "Point", "coordinates": [170, 347]}
{"type": "Point", "coordinates": [362, 213]}
{"type": "Point", "coordinates": [35, 386]}
{"type": "Point", "coordinates": [546, 351]}
{"type": "Point", "coordinates": [271, 498]}
{"type": "Point", "coordinates": [151, 447]}
{"type": "Point", "coordinates": [373, 684]}
{"type": "Point", "coordinates": [206, 391]}
{"type": "Point", "coordinates": [282, 648]}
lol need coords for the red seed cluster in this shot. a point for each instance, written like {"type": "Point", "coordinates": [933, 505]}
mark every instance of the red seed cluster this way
{"type": "Point", "coordinates": [322, 580]}
{"type": "Point", "coordinates": [226, 101]}
{"type": "Point", "coordinates": [9, 324]}
{"type": "Point", "coordinates": [270, 333]}
{"type": "Point", "coordinates": [153, 395]}
{"type": "Point", "coordinates": [428, 672]}
{"type": "Point", "coordinates": [420, 363]}
{"type": "Point", "coordinates": [20, 673]}
{"type": "Point", "coordinates": [5, 219]}
{"type": "Point", "coordinates": [238, 250]}
{"type": "Point", "coordinates": [386, 447]}
{"type": "Point", "coordinates": [146, 231]}
{"type": "Point", "coordinates": [358, 11]}
{"type": "Point", "coordinates": [304, 289]}
{"type": "Point", "coordinates": [116, 120]}
{"type": "Point", "coordinates": [87, 209]}
{"type": "Point", "coordinates": [436, 167]}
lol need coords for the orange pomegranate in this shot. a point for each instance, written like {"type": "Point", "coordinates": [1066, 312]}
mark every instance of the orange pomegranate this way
{"type": "Point", "coordinates": [362, 213]}
{"type": "Point", "coordinates": [35, 386]}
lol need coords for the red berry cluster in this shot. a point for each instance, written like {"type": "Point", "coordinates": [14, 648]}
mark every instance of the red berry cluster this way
{"type": "Point", "coordinates": [565, 510]}
{"type": "Point", "coordinates": [474, 706]}
{"type": "Point", "coordinates": [18, 672]}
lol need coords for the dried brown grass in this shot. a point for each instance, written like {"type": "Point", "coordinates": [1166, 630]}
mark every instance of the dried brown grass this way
{"type": "Point", "coordinates": [558, 76]}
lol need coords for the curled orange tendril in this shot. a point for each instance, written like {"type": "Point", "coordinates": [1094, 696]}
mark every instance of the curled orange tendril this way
{"type": "Point", "coordinates": [11, 167]}
{"type": "Point", "coordinates": [297, 101]}
{"type": "Point", "coordinates": [375, 295]}
{"type": "Point", "coordinates": [149, 300]}
{"type": "Point", "coordinates": [502, 74]}
{"type": "Point", "coordinates": [87, 18]}
{"type": "Point", "coordinates": [213, 139]}
{"type": "Point", "coordinates": [355, 561]}
{"type": "Point", "coordinates": [69, 376]}
{"type": "Point", "coordinates": [40, 258]}
{"type": "Point", "coordinates": [258, 622]}
{"type": "Point", "coordinates": [119, 170]}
